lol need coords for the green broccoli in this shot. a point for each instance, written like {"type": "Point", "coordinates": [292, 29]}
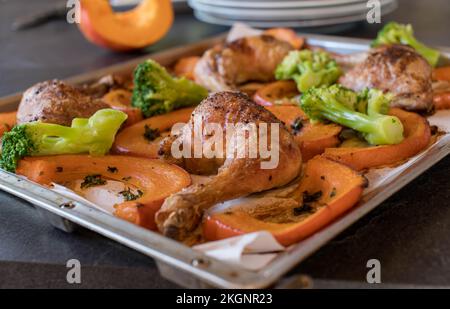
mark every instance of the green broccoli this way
{"type": "Point", "coordinates": [394, 33]}
{"type": "Point", "coordinates": [157, 92]}
{"type": "Point", "coordinates": [363, 112]}
{"type": "Point", "coordinates": [94, 136]}
{"type": "Point", "coordinates": [309, 69]}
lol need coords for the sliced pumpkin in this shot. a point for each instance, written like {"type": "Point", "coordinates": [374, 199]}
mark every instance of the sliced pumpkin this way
{"type": "Point", "coordinates": [328, 189]}
{"type": "Point", "coordinates": [442, 73]}
{"type": "Point", "coordinates": [7, 121]}
{"type": "Point", "coordinates": [417, 135]}
{"type": "Point", "coordinates": [120, 99]}
{"type": "Point", "coordinates": [312, 139]}
{"type": "Point", "coordinates": [131, 141]}
{"type": "Point", "coordinates": [185, 67]}
{"type": "Point", "coordinates": [156, 179]}
{"type": "Point", "coordinates": [441, 100]}
{"type": "Point", "coordinates": [137, 28]}
{"type": "Point", "coordinates": [276, 93]}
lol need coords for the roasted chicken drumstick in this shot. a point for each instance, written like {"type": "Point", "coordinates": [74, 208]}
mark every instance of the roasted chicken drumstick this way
{"type": "Point", "coordinates": [234, 176]}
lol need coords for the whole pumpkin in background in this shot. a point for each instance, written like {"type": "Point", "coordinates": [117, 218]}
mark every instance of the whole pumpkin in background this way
{"type": "Point", "coordinates": [123, 31]}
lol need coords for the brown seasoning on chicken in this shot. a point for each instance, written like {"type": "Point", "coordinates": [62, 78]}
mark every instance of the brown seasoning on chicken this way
{"type": "Point", "coordinates": [249, 59]}
{"type": "Point", "coordinates": [234, 177]}
{"type": "Point", "coordinates": [397, 69]}
{"type": "Point", "coordinates": [56, 102]}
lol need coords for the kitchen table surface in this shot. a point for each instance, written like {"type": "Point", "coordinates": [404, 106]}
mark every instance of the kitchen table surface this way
{"type": "Point", "coordinates": [408, 234]}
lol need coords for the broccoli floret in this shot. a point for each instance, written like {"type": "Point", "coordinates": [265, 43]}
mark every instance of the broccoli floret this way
{"type": "Point", "coordinates": [376, 127]}
{"type": "Point", "coordinates": [94, 136]}
{"type": "Point", "coordinates": [309, 69]}
{"type": "Point", "coordinates": [394, 33]}
{"type": "Point", "coordinates": [157, 92]}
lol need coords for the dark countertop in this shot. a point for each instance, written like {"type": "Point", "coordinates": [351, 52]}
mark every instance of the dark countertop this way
{"type": "Point", "coordinates": [408, 233]}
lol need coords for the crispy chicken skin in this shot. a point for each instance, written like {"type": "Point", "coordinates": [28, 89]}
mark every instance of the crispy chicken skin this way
{"type": "Point", "coordinates": [349, 61]}
{"type": "Point", "coordinates": [56, 102]}
{"type": "Point", "coordinates": [107, 83]}
{"type": "Point", "coordinates": [398, 69]}
{"type": "Point", "coordinates": [233, 177]}
{"type": "Point", "coordinates": [249, 59]}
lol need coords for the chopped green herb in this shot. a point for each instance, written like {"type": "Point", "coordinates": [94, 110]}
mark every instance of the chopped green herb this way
{"type": "Point", "coordinates": [151, 134]}
{"type": "Point", "coordinates": [92, 180]}
{"type": "Point", "coordinates": [333, 192]}
{"type": "Point", "coordinates": [305, 208]}
{"type": "Point", "coordinates": [129, 195]}
{"type": "Point", "coordinates": [297, 125]}
{"type": "Point", "coordinates": [434, 130]}
{"type": "Point", "coordinates": [310, 198]}
{"type": "Point", "coordinates": [112, 169]}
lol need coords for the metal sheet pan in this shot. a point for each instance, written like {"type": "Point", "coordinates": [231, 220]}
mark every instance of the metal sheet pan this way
{"type": "Point", "coordinates": [175, 261]}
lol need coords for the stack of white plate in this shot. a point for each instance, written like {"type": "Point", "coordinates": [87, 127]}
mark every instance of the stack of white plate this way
{"type": "Point", "coordinates": [285, 13]}
{"type": "Point", "coordinates": [178, 5]}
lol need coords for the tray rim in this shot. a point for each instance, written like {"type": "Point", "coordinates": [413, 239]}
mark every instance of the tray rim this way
{"type": "Point", "coordinates": [179, 256]}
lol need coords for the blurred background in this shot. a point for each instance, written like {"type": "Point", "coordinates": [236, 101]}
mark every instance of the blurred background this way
{"type": "Point", "coordinates": [52, 48]}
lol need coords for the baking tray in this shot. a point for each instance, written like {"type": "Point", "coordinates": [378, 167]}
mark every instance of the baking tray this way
{"type": "Point", "coordinates": [175, 261]}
